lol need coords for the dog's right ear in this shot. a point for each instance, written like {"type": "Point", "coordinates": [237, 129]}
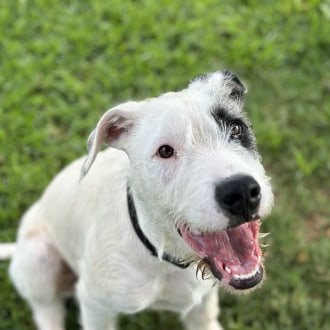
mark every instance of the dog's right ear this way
{"type": "Point", "coordinates": [113, 129]}
{"type": "Point", "coordinates": [238, 89]}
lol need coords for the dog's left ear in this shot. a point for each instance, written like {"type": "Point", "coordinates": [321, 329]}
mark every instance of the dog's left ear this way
{"type": "Point", "coordinates": [238, 89]}
{"type": "Point", "coordinates": [113, 129]}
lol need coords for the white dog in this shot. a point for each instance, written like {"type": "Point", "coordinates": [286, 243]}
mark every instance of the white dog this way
{"type": "Point", "coordinates": [170, 210]}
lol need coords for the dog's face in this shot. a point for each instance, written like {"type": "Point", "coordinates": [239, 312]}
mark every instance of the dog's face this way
{"type": "Point", "coordinates": [196, 176]}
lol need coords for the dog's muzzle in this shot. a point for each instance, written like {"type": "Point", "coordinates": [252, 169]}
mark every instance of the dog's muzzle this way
{"type": "Point", "coordinates": [239, 197]}
{"type": "Point", "coordinates": [233, 255]}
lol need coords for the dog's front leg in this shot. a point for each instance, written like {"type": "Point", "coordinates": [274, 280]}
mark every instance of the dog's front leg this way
{"type": "Point", "coordinates": [96, 318]}
{"type": "Point", "coordinates": [205, 315]}
{"type": "Point", "coordinates": [95, 314]}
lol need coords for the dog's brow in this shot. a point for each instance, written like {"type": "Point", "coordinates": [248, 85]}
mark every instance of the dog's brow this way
{"type": "Point", "coordinates": [222, 115]}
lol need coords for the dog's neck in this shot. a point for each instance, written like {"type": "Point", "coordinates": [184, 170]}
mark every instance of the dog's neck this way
{"type": "Point", "coordinates": [135, 222]}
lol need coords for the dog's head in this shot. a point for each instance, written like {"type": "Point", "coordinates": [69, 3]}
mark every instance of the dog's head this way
{"type": "Point", "coordinates": [196, 177]}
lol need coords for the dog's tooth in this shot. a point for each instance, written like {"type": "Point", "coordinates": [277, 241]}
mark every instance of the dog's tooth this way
{"type": "Point", "coordinates": [246, 276]}
{"type": "Point", "coordinates": [262, 235]}
{"type": "Point", "coordinates": [228, 270]}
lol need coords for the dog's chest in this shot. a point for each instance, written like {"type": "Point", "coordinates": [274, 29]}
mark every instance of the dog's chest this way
{"type": "Point", "coordinates": [180, 291]}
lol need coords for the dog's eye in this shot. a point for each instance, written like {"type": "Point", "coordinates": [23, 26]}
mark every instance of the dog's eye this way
{"type": "Point", "coordinates": [165, 151]}
{"type": "Point", "coordinates": [236, 130]}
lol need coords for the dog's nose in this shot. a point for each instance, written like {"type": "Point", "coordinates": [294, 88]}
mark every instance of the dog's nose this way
{"type": "Point", "coordinates": [240, 196]}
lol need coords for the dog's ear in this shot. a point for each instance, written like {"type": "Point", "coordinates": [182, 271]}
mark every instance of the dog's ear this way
{"type": "Point", "coordinates": [237, 88]}
{"type": "Point", "coordinates": [234, 86]}
{"type": "Point", "coordinates": [113, 129]}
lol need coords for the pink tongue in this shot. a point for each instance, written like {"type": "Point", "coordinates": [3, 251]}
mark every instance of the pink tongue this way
{"type": "Point", "coordinates": [236, 247]}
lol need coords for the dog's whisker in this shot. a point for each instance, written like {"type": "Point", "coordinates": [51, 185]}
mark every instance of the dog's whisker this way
{"type": "Point", "coordinates": [202, 268]}
{"type": "Point", "coordinates": [263, 235]}
{"type": "Point", "coordinates": [264, 245]}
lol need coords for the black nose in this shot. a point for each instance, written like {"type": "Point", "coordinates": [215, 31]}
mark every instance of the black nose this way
{"type": "Point", "coordinates": [239, 195]}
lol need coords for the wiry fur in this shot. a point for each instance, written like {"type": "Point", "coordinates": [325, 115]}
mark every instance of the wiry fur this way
{"type": "Point", "coordinates": [83, 220]}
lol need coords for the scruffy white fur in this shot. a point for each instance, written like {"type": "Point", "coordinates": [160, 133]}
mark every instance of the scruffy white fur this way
{"type": "Point", "coordinates": [83, 222]}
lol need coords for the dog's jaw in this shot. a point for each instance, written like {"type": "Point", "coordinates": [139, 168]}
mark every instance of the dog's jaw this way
{"type": "Point", "coordinates": [233, 255]}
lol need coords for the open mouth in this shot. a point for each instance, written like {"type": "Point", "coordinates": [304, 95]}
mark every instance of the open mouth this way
{"type": "Point", "coordinates": [233, 255]}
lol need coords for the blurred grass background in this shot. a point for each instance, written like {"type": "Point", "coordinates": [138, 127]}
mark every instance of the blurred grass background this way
{"type": "Point", "coordinates": [63, 63]}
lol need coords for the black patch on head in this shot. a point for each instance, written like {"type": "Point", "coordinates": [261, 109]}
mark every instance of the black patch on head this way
{"type": "Point", "coordinates": [225, 119]}
{"type": "Point", "coordinates": [237, 88]}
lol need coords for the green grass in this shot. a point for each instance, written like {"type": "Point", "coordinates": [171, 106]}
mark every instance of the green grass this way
{"type": "Point", "coordinates": [62, 63]}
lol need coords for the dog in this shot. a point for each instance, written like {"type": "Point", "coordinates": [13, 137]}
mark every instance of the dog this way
{"type": "Point", "coordinates": [156, 221]}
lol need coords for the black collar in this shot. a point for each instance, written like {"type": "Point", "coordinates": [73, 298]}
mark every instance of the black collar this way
{"type": "Point", "coordinates": [144, 239]}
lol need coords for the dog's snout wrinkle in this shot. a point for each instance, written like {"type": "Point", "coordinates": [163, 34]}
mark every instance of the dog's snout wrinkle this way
{"type": "Point", "coordinates": [239, 196]}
